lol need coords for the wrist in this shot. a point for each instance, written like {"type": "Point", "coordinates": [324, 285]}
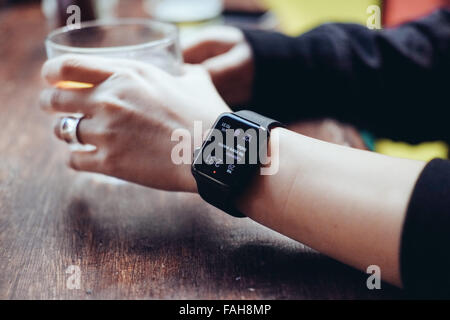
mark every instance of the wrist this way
{"type": "Point", "coordinates": [221, 183]}
{"type": "Point", "coordinates": [197, 134]}
{"type": "Point", "coordinates": [187, 180]}
{"type": "Point", "coordinates": [268, 193]}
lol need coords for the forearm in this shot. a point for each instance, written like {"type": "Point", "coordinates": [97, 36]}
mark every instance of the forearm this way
{"type": "Point", "coordinates": [346, 203]}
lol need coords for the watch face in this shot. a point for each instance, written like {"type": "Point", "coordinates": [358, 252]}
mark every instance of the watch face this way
{"type": "Point", "coordinates": [230, 154]}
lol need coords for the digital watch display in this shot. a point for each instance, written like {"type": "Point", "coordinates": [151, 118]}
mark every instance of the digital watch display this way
{"type": "Point", "coordinates": [230, 156]}
{"type": "Point", "coordinates": [230, 153]}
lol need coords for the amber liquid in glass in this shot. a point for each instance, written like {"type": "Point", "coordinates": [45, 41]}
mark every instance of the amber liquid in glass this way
{"type": "Point", "coordinates": [73, 85]}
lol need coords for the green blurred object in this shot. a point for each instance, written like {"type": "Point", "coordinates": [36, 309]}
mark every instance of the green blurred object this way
{"type": "Point", "coordinates": [369, 140]}
{"type": "Point", "coordinates": [298, 16]}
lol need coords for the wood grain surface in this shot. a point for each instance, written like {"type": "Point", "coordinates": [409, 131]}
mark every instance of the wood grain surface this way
{"type": "Point", "coordinates": [130, 242]}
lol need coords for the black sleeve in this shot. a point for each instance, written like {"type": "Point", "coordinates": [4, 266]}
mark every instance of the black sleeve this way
{"type": "Point", "coordinates": [425, 248]}
{"type": "Point", "coordinates": [394, 82]}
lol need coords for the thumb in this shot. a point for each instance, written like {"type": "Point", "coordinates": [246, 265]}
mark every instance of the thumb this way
{"type": "Point", "coordinates": [229, 60]}
{"type": "Point", "coordinates": [209, 42]}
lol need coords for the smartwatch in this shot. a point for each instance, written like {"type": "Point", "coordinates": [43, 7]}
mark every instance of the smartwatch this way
{"type": "Point", "coordinates": [230, 156]}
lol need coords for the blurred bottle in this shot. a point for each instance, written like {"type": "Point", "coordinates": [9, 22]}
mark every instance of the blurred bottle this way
{"type": "Point", "coordinates": [181, 11]}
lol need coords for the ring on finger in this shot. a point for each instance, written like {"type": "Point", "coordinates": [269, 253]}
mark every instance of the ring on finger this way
{"type": "Point", "coordinates": [68, 129]}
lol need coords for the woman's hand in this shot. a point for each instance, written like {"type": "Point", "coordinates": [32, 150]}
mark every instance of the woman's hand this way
{"type": "Point", "coordinates": [227, 56]}
{"type": "Point", "coordinates": [130, 115]}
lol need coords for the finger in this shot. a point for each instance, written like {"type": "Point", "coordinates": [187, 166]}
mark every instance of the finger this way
{"type": "Point", "coordinates": [201, 51]}
{"type": "Point", "coordinates": [87, 131]}
{"type": "Point", "coordinates": [228, 60]}
{"type": "Point", "coordinates": [208, 43]}
{"type": "Point", "coordinates": [190, 70]}
{"type": "Point", "coordinates": [85, 161]}
{"type": "Point", "coordinates": [70, 101]}
{"type": "Point", "coordinates": [87, 69]}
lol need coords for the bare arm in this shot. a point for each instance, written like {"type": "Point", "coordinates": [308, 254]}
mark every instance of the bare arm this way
{"type": "Point", "coordinates": [346, 203]}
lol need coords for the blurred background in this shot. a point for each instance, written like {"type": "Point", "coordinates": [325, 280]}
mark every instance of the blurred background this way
{"type": "Point", "coordinates": [292, 17]}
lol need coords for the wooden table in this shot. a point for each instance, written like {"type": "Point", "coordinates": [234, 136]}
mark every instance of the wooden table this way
{"type": "Point", "coordinates": [127, 241]}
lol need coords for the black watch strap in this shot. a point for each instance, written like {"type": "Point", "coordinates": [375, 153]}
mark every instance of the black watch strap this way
{"type": "Point", "coordinates": [218, 195]}
{"type": "Point", "coordinates": [260, 120]}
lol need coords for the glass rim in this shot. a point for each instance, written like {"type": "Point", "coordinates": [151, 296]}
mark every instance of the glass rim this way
{"type": "Point", "coordinates": [171, 28]}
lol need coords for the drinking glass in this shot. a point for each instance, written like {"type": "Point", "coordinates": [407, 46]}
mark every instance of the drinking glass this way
{"type": "Point", "coordinates": [137, 39]}
{"type": "Point", "coordinates": [143, 40]}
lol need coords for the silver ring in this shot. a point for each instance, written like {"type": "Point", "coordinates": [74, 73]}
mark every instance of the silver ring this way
{"type": "Point", "coordinates": [68, 129]}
